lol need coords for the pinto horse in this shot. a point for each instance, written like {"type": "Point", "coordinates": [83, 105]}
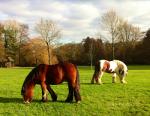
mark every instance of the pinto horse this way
{"type": "Point", "coordinates": [115, 67]}
{"type": "Point", "coordinates": [52, 74]}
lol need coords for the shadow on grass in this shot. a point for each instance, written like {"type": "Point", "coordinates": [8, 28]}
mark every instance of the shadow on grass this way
{"type": "Point", "coordinates": [10, 100]}
{"type": "Point", "coordinates": [50, 101]}
{"type": "Point", "coordinates": [96, 83]}
{"type": "Point", "coordinates": [20, 100]}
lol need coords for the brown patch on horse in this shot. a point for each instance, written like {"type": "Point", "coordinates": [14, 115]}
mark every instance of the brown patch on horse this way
{"type": "Point", "coordinates": [121, 69]}
{"type": "Point", "coordinates": [106, 67]}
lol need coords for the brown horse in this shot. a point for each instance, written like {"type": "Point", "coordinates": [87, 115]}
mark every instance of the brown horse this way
{"type": "Point", "coordinates": [52, 74]}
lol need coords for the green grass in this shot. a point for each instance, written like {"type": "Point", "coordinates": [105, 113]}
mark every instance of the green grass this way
{"type": "Point", "coordinates": [132, 99]}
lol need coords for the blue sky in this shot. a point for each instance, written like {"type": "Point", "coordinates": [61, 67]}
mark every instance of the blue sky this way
{"type": "Point", "coordinates": [76, 18]}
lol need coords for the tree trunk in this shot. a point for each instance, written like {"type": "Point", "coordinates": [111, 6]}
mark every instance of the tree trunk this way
{"type": "Point", "coordinates": [113, 49]}
{"type": "Point", "coordinates": [48, 51]}
{"type": "Point", "coordinates": [19, 55]}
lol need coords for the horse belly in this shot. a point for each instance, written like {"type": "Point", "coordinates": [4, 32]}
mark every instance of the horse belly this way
{"type": "Point", "coordinates": [56, 80]}
{"type": "Point", "coordinates": [109, 71]}
{"type": "Point", "coordinates": [55, 77]}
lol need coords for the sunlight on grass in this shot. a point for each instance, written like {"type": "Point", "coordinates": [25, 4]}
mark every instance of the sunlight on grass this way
{"type": "Point", "coordinates": [116, 99]}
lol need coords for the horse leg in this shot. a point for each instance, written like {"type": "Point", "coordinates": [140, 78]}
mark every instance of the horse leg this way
{"type": "Point", "coordinates": [99, 80]}
{"type": "Point", "coordinates": [95, 75]}
{"type": "Point", "coordinates": [92, 81]}
{"type": "Point", "coordinates": [122, 80]}
{"type": "Point", "coordinates": [53, 95]}
{"type": "Point", "coordinates": [114, 78]}
{"type": "Point", "coordinates": [70, 95]}
{"type": "Point", "coordinates": [77, 94]}
{"type": "Point", "coordinates": [44, 92]}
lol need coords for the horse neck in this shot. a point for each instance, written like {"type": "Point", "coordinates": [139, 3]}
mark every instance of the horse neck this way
{"type": "Point", "coordinates": [28, 82]}
{"type": "Point", "coordinates": [26, 85]}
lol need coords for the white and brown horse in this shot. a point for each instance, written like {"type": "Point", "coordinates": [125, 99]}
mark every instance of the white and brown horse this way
{"type": "Point", "coordinates": [115, 67]}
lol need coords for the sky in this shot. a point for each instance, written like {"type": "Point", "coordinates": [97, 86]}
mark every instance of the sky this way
{"type": "Point", "coordinates": [76, 19]}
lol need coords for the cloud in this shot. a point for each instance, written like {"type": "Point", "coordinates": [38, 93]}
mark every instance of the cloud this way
{"type": "Point", "coordinates": [77, 18]}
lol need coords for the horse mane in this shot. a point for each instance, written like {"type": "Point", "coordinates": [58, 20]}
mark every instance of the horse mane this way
{"type": "Point", "coordinates": [29, 77]}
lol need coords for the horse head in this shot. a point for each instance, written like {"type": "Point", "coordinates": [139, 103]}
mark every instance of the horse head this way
{"type": "Point", "coordinates": [27, 87]}
{"type": "Point", "coordinates": [27, 92]}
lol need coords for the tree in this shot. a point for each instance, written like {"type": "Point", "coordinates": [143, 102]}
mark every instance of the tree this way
{"type": "Point", "coordinates": [2, 49]}
{"type": "Point", "coordinates": [34, 52]}
{"type": "Point", "coordinates": [92, 50]}
{"type": "Point", "coordinates": [23, 37]}
{"type": "Point", "coordinates": [110, 21]}
{"type": "Point", "coordinates": [68, 52]}
{"type": "Point", "coordinates": [49, 32]}
{"type": "Point", "coordinates": [11, 29]}
{"type": "Point", "coordinates": [1, 31]}
{"type": "Point", "coordinates": [145, 49]}
{"type": "Point", "coordinates": [128, 35]}
{"type": "Point", "coordinates": [14, 34]}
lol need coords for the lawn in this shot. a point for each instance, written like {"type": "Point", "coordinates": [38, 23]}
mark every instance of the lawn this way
{"type": "Point", "coordinates": [131, 99]}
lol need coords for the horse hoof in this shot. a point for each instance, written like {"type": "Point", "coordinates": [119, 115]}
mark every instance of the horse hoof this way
{"type": "Point", "coordinates": [54, 98]}
{"type": "Point", "coordinates": [26, 102]}
{"type": "Point", "coordinates": [44, 100]}
{"type": "Point", "coordinates": [78, 102]}
{"type": "Point", "coordinates": [114, 82]}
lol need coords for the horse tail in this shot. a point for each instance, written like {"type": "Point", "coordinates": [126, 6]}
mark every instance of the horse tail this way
{"type": "Point", "coordinates": [33, 73]}
{"type": "Point", "coordinates": [77, 87]}
{"type": "Point", "coordinates": [97, 66]}
{"type": "Point", "coordinates": [77, 77]}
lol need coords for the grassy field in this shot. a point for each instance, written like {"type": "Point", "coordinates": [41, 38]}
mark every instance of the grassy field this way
{"type": "Point", "coordinates": [132, 99]}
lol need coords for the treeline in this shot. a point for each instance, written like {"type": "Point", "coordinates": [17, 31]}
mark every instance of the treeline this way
{"type": "Point", "coordinates": [90, 50]}
{"type": "Point", "coordinates": [18, 49]}
{"type": "Point", "coordinates": [16, 46]}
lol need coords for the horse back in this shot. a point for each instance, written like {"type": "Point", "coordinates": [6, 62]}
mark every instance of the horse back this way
{"type": "Point", "coordinates": [56, 74]}
{"type": "Point", "coordinates": [70, 71]}
{"type": "Point", "coordinates": [106, 66]}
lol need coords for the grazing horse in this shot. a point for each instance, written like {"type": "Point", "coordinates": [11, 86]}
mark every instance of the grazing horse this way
{"type": "Point", "coordinates": [52, 74]}
{"type": "Point", "coordinates": [114, 67]}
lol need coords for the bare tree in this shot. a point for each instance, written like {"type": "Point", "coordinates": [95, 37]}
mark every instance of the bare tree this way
{"type": "Point", "coordinates": [23, 36]}
{"type": "Point", "coordinates": [136, 35]}
{"type": "Point", "coordinates": [110, 21]}
{"type": "Point", "coordinates": [91, 52]}
{"type": "Point", "coordinates": [128, 33]}
{"type": "Point", "coordinates": [49, 32]}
